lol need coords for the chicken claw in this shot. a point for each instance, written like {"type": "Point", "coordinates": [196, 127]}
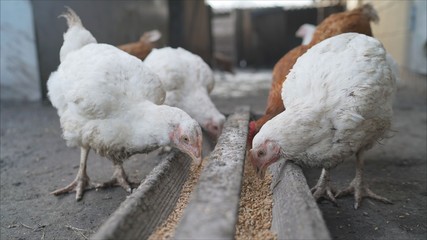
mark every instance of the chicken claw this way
{"type": "Point", "coordinates": [326, 192]}
{"type": "Point", "coordinates": [81, 182]}
{"type": "Point", "coordinates": [360, 191]}
{"type": "Point", "coordinates": [78, 185]}
{"type": "Point", "coordinates": [322, 189]}
{"type": "Point", "coordinates": [358, 186]}
{"type": "Point", "coordinates": [119, 179]}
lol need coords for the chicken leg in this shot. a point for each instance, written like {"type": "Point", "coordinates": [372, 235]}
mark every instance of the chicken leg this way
{"type": "Point", "coordinates": [119, 178]}
{"type": "Point", "coordinates": [358, 186]}
{"type": "Point", "coordinates": [82, 181]}
{"type": "Point", "coordinates": [323, 188]}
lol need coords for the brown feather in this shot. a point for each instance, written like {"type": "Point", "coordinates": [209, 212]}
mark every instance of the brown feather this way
{"type": "Point", "coordinates": [357, 20]}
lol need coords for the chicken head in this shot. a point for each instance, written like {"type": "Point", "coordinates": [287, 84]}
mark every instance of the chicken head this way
{"type": "Point", "coordinates": [214, 126]}
{"type": "Point", "coordinates": [263, 155]}
{"type": "Point", "coordinates": [188, 138]}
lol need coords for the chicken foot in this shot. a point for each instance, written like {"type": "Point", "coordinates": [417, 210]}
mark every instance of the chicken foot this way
{"type": "Point", "coordinates": [81, 182]}
{"type": "Point", "coordinates": [359, 188]}
{"type": "Point", "coordinates": [322, 189]}
{"type": "Point", "coordinates": [119, 179]}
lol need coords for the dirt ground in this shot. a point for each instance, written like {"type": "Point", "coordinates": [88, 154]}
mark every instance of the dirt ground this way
{"type": "Point", "coordinates": [395, 169]}
{"type": "Point", "coordinates": [34, 161]}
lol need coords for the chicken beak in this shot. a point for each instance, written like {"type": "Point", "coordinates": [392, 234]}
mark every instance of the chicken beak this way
{"type": "Point", "coordinates": [196, 153]}
{"type": "Point", "coordinates": [260, 172]}
{"type": "Point", "coordinates": [213, 130]}
{"type": "Point", "coordinates": [196, 156]}
{"type": "Point", "coordinates": [198, 159]}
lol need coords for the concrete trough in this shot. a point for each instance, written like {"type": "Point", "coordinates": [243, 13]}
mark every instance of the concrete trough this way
{"type": "Point", "coordinates": [151, 203]}
{"type": "Point", "coordinates": [295, 212]}
{"type": "Point", "coordinates": [213, 208]}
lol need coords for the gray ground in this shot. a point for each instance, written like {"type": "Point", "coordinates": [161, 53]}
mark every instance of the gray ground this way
{"type": "Point", "coordinates": [396, 169]}
{"type": "Point", "coordinates": [34, 161]}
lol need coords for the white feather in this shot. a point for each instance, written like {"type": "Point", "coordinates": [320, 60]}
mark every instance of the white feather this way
{"type": "Point", "coordinates": [188, 81]}
{"type": "Point", "coordinates": [338, 99]}
{"type": "Point", "coordinates": [107, 100]}
{"type": "Point", "coordinates": [76, 36]}
{"type": "Point", "coordinates": [306, 32]}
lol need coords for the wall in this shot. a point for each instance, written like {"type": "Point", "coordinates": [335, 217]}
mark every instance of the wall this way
{"type": "Point", "coordinates": [402, 30]}
{"type": "Point", "coordinates": [19, 69]}
{"type": "Point", "coordinates": [417, 51]}
{"type": "Point", "coordinates": [393, 28]}
{"type": "Point", "coordinates": [264, 35]}
{"type": "Point", "coordinates": [190, 27]}
{"type": "Point", "coordinates": [112, 22]}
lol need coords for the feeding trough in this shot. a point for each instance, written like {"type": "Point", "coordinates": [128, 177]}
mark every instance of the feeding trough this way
{"type": "Point", "coordinates": [214, 204]}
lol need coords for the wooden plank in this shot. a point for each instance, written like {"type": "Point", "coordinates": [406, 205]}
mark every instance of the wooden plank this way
{"type": "Point", "coordinates": [295, 212]}
{"type": "Point", "coordinates": [190, 27]}
{"type": "Point", "coordinates": [151, 203]}
{"type": "Point", "coordinates": [213, 208]}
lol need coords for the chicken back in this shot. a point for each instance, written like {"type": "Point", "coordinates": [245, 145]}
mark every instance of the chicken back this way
{"type": "Point", "coordinates": [357, 20]}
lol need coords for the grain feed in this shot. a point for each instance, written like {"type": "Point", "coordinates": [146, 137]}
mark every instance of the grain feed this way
{"type": "Point", "coordinates": [256, 204]}
{"type": "Point", "coordinates": [167, 229]}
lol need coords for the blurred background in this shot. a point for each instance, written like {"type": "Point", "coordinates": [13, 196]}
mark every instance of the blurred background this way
{"type": "Point", "coordinates": [241, 41]}
{"type": "Point", "coordinates": [228, 35]}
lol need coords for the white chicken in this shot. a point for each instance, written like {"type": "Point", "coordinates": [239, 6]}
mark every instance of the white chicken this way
{"type": "Point", "coordinates": [338, 98]}
{"type": "Point", "coordinates": [107, 100]}
{"type": "Point", "coordinates": [188, 80]}
{"type": "Point", "coordinates": [306, 32]}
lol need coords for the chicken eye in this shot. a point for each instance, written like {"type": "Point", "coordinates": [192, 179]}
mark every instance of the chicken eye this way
{"type": "Point", "coordinates": [261, 153]}
{"type": "Point", "coordinates": [185, 139]}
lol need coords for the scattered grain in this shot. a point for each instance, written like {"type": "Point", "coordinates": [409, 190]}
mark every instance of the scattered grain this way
{"type": "Point", "coordinates": [256, 203]}
{"type": "Point", "coordinates": [167, 229]}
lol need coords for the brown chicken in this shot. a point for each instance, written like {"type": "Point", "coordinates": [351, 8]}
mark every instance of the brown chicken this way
{"type": "Point", "coordinates": [357, 20]}
{"type": "Point", "coordinates": [143, 47]}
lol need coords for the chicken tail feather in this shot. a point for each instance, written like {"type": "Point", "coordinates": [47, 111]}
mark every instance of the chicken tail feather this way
{"type": "Point", "coordinates": [71, 17]}
{"type": "Point", "coordinates": [370, 12]}
{"type": "Point", "coordinates": [76, 36]}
